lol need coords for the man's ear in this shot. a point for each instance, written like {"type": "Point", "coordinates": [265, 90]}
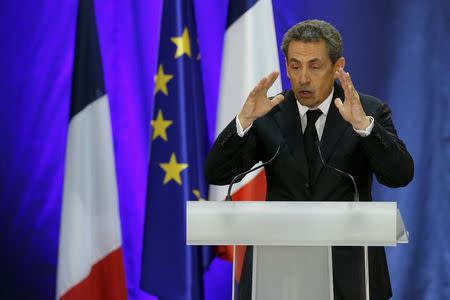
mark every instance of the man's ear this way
{"type": "Point", "coordinates": [287, 69]}
{"type": "Point", "coordinates": [340, 63]}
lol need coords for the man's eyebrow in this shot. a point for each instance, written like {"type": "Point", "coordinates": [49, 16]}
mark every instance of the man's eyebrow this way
{"type": "Point", "coordinates": [312, 60]}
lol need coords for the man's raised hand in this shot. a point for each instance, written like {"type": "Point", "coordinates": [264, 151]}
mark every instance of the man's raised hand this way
{"type": "Point", "coordinates": [257, 103]}
{"type": "Point", "coordinates": [351, 109]}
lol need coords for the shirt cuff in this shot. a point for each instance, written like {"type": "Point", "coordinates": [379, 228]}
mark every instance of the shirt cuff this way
{"type": "Point", "coordinates": [368, 130]}
{"type": "Point", "coordinates": [241, 132]}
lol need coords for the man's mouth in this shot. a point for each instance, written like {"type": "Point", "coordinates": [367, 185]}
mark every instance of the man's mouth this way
{"type": "Point", "coordinates": [305, 93]}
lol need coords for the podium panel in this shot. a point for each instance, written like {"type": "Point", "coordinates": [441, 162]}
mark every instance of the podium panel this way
{"type": "Point", "coordinates": [292, 273]}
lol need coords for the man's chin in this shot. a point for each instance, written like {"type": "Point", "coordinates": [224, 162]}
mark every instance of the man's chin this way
{"type": "Point", "coordinates": [307, 101]}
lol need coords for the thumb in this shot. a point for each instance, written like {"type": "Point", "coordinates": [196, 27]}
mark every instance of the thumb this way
{"type": "Point", "coordinates": [277, 100]}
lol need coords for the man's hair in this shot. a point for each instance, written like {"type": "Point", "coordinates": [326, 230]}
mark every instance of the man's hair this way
{"type": "Point", "coordinates": [315, 31]}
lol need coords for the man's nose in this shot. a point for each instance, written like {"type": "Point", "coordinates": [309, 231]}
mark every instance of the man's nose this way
{"type": "Point", "coordinates": [304, 76]}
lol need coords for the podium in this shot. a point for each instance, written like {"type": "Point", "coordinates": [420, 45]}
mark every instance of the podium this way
{"type": "Point", "coordinates": [292, 241]}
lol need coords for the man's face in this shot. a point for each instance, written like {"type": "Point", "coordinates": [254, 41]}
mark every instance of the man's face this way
{"type": "Point", "coordinates": [311, 71]}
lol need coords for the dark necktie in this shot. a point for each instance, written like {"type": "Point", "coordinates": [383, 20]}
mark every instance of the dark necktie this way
{"type": "Point", "coordinates": [310, 139]}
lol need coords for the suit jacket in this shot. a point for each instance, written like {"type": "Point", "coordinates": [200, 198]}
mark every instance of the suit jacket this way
{"type": "Point", "coordinates": [381, 153]}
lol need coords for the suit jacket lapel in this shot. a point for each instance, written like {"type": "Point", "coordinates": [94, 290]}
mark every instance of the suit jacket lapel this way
{"type": "Point", "coordinates": [288, 118]}
{"type": "Point", "coordinates": [335, 126]}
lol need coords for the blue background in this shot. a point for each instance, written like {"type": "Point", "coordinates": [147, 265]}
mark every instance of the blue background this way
{"type": "Point", "coordinates": [396, 50]}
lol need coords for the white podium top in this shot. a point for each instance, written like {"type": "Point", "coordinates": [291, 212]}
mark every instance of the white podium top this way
{"type": "Point", "coordinates": [294, 223]}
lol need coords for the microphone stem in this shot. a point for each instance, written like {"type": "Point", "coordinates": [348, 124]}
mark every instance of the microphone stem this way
{"type": "Point", "coordinates": [355, 187]}
{"type": "Point", "coordinates": [241, 175]}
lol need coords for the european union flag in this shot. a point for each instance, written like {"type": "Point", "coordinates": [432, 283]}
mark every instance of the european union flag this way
{"type": "Point", "coordinates": [179, 143]}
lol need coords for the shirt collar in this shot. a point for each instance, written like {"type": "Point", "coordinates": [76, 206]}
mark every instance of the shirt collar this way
{"type": "Point", "coordinates": [324, 106]}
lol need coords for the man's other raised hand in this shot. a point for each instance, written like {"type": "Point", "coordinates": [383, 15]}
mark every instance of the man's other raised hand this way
{"type": "Point", "coordinates": [257, 103]}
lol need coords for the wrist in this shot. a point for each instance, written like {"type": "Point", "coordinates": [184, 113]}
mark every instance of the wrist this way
{"type": "Point", "coordinates": [245, 122]}
{"type": "Point", "coordinates": [363, 124]}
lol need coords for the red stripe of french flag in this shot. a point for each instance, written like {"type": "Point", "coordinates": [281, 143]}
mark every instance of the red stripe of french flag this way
{"type": "Point", "coordinates": [94, 287]}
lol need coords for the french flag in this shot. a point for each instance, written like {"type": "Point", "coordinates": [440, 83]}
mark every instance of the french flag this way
{"type": "Point", "coordinates": [249, 54]}
{"type": "Point", "coordinates": [90, 259]}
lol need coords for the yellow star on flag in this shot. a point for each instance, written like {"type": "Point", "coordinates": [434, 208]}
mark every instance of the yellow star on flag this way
{"type": "Point", "coordinates": [183, 44]}
{"type": "Point", "coordinates": [173, 169]}
{"type": "Point", "coordinates": [161, 81]}
{"type": "Point", "coordinates": [159, 126]}
{"type": "Point", "coordinates": [197, 195]}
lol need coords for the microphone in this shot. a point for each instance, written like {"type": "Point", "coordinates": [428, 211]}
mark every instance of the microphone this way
{"type": "Point", "coordinates": [355, 187]}
{"type": "Point", "coordinates": [241, 175]}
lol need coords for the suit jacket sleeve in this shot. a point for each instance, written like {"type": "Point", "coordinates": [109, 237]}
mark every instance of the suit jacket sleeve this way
{"type": "Point", "coordinates": [387, 154]}
{"type": "Point", "coordinates": [231, 155]}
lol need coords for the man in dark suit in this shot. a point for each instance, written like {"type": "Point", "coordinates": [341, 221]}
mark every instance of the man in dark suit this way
{"type": "Point", "coordinates": [355, 134]}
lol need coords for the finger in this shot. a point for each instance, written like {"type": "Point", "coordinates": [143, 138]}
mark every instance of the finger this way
{"type": "Point", "coordinates": [270, 79]}
{"type": "Point", "coordinates": [262, 83]}
{"type": "Point", "coordinates": [261, 86]}
{"type": "Point", "coordinates": [252, 95]}
{"type": "Point", "coordinates": [349, 89]}
{"type": "Point", "coordinates": [339, 105]}
{"type": "Point", "coordinates": [340, 74]}
{"type": "Point", "coordinates": [353, 95]}
{"type": "Point", "coordinates": [345, 83]}
{"type": "Point", "coordinates": [277, 100]}
{"type": "Point", "coordinates": [351, 86]}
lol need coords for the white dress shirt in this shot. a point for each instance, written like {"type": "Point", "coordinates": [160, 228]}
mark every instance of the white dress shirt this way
{"type": "Point", "coordinates": [320, 123]}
